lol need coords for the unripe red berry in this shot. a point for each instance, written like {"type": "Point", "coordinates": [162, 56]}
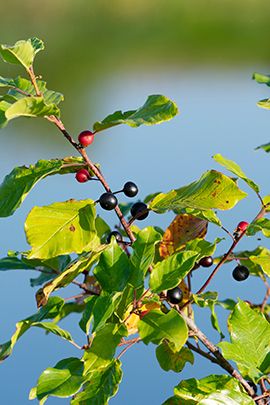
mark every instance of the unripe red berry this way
{"type": "Point", "coordinates": [82, 176]}
{"type": "Point", "coordinates": [86, 138]}
{"type": "Point", "coordinates": [242, 226]}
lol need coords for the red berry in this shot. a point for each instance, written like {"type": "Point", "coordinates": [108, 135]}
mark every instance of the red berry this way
{"type": "Point", "coordinates": [86, 138]}
{"type": "Point", "coordinates": [242, 226]}
{"type": "Point", "coordinates": [82, 176]}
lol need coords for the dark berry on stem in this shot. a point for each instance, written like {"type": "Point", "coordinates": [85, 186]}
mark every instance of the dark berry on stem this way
{"type": "Point", "coordinates": [117, 236]}
{"type": "Point", "coordinates": [130, 189]}
{"type": "Point", "coordinates": [108, 201]}
{"type": "Point", "coordinates": [206, 261]}
{"type": "Point", "coordinates": [139, 210]}
{"type": "Point", "coordinates": [175, 295]}
{"type": "Point", "coordinates": [240, 273]}
{"type": "Point", "coordinates": [82, 176]}
{"type": "Point", "coordinates": [86, 138]}
{"type": "Point", "coordinates": [253, 385]}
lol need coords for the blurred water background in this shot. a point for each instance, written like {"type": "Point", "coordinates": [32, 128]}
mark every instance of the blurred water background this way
{"type": "Point", "coordinates": [108, 55]}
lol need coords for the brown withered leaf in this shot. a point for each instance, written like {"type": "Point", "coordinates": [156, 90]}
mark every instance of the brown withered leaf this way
{"type": "Point", "coordinates": [184, 228]}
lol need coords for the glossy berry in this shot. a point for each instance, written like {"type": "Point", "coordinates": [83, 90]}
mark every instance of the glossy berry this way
{"type": "Point", "coordinates": [130, 189]}
{"type": "Point", "coordinates": [117, 236]}
{"type": "Point", "coordinates": [175, 295]}
{"type": "Point", "coordinates": [108, 201]}
{"type": "Point", "coordinates": [86, 138]}
{"type": "Point", "coordinates": [82, 176]}
{"type": "Point", "coordinates": [253, 385]}
{"type": "Point", "coordinates": [206, 261]}
{"type": "Point", "coordinates": [139, 210]}
{"type": "Point", "coordinates": [240, 273]}
{"type": "Point", "coordinates": [242, 226]}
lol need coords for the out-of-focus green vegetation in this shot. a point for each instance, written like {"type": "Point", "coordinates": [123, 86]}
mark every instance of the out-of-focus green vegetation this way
{"type": "Point", "coordinates": [89, 39]}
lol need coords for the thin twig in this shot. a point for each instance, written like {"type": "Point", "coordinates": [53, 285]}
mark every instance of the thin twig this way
{"type": "Point", "coordinates": [217, 354]}
{"type": "Point", "coordinates": [202, 353]}
{"type": "Point", "coordinates": [33, 80]}
{"type": "Point", "coordinates": [126, 349]}
{"type": "Point", "coordinates": [94, 169]}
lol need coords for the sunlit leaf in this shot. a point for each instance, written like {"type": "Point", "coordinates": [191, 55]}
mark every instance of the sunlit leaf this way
{"type": "Point", "coordinates": [211, 390]}
{"type": "Point", "coordinates": [21, 180]}
{"type": "Point", "coordinates": [47, 312]}
{"type": "Point", "coordinates": [235, 169]}
{"type": "Point", "coordinates": [182, 229]}
{"type": "Point", "coordinates": [63, 380]}
{"type": "Point", "coordinates": [169, 272]}
{"type": "Point", "coordinates": [156, 110]}
{"type": "Point", "coordinates": [113, 269]}
{"type": "Point", "coordinates": [213, 190]}
{"type": "Point", "coordinates": [32, 106]}
{"type": "Point", "coordinates": [157, 326]}
{"type": "Point", "coordinates": [103, 347]}
{"type": "Point", "coordinates": [261, 224]}
{"type": "Point", "coordinates": [261, 78]}
{"type": "Point", "coordinates": [22, 53]}
{"type": "Point", "coordinates": [266, 146]}
{"type": "Point", "coordinates": [171, 359]}
{"type": "Point", "coordinates": [61, 228]}
{"type": "Point", "coordinates": [209, 299]}
{"type": "Point", "coordinates": [67, 276]}
{"type": "Point", "coordinates": [102, 385]}
{"type": "Point", "coordinates": [250, 341]}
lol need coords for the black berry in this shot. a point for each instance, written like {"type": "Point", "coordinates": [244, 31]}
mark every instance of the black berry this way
{"type": "Point", "coordinates": [206, 261]}
{"type": "Point", "coordinates": [240, 273]}
{"type": "Point", "coordinates": [175, 295]}
{"type": "Point", "coordinates": [86, 138]}
{"type": "Point", "coordinates": [117, 236]}
{"type": "Point", "coordinates": [253, 385]}
{"type": "Point", "coordinates": [139, 210]}
{"type": "Point", "coordinates": [130, 189]}
{"type": "Point", "coordinates": [82, 176]}
{"type": "Point", "coordinates": [108, 201]}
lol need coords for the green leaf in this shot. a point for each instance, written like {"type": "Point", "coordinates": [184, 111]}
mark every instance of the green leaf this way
{"type": "Point", "coordinates": [22, 53]}
{"type": "Point", "coordinates": [61, 228]}
{"type": "Point", "coordinates": [260, 78]}
{"type": "Point", "coordinates": [248, 259]}
{"type": "Point", "coordinates": [13, 263]}
{"type": "Point", "coordinates": [21, 87]}
{"type": "Point", "coordinates": [211, 390]}
{"type": "Point", "coordinates": [202, 247]}
{"type": "Point", "coordinates": [236, 169]}
{"type": "Point", "coordinates": [104, 307]}
{"type": "Point", "coordinates": [263, 262]}
{"type": "Point", "coordinates": [265, 103]}
{"type": "Point", "coordinates": [266, 146]}
{"type": "Point", "coordinates": [33, 106]}
{"type": "Point", "coordinates": [21, 180]}
{"type": "Point", "coordinates": [102, 385]}
{"type": "Point", "coordinates": [63, 380]}
{"type": "Point", "coordinates": [168, 273]}
{"type": "Point", "coordinates": [212, 190]}
{"type": "Point", "coordinates": [170, 359]}
{"type": "Point", "coordinates": [155, 110]}
{"type": "Point", "coordinates": [143, 254]}
{"type": "Point", "coordinates": [208, 215]}
{"type": "Point", "coordinates": [49, 311]}
{"type": "Point", "coordinates": [55, 329]}
{"type": "Point", "coordinates": [261, 224]}
{"type": "Point", "coordinates": [65, 278]}
{"type": "Point", "coordinates": [156, 326]}
{"type": "Point", "coordinates": [103, 347]}
{"type": "Point", "coordinates": [113, 269]}
{"type": "Point", "coordinates": [209, 299]}
{"type": "Point", "coordinates": [87, 315]}
{"type": "Point", "coordinates": [250, 341]}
